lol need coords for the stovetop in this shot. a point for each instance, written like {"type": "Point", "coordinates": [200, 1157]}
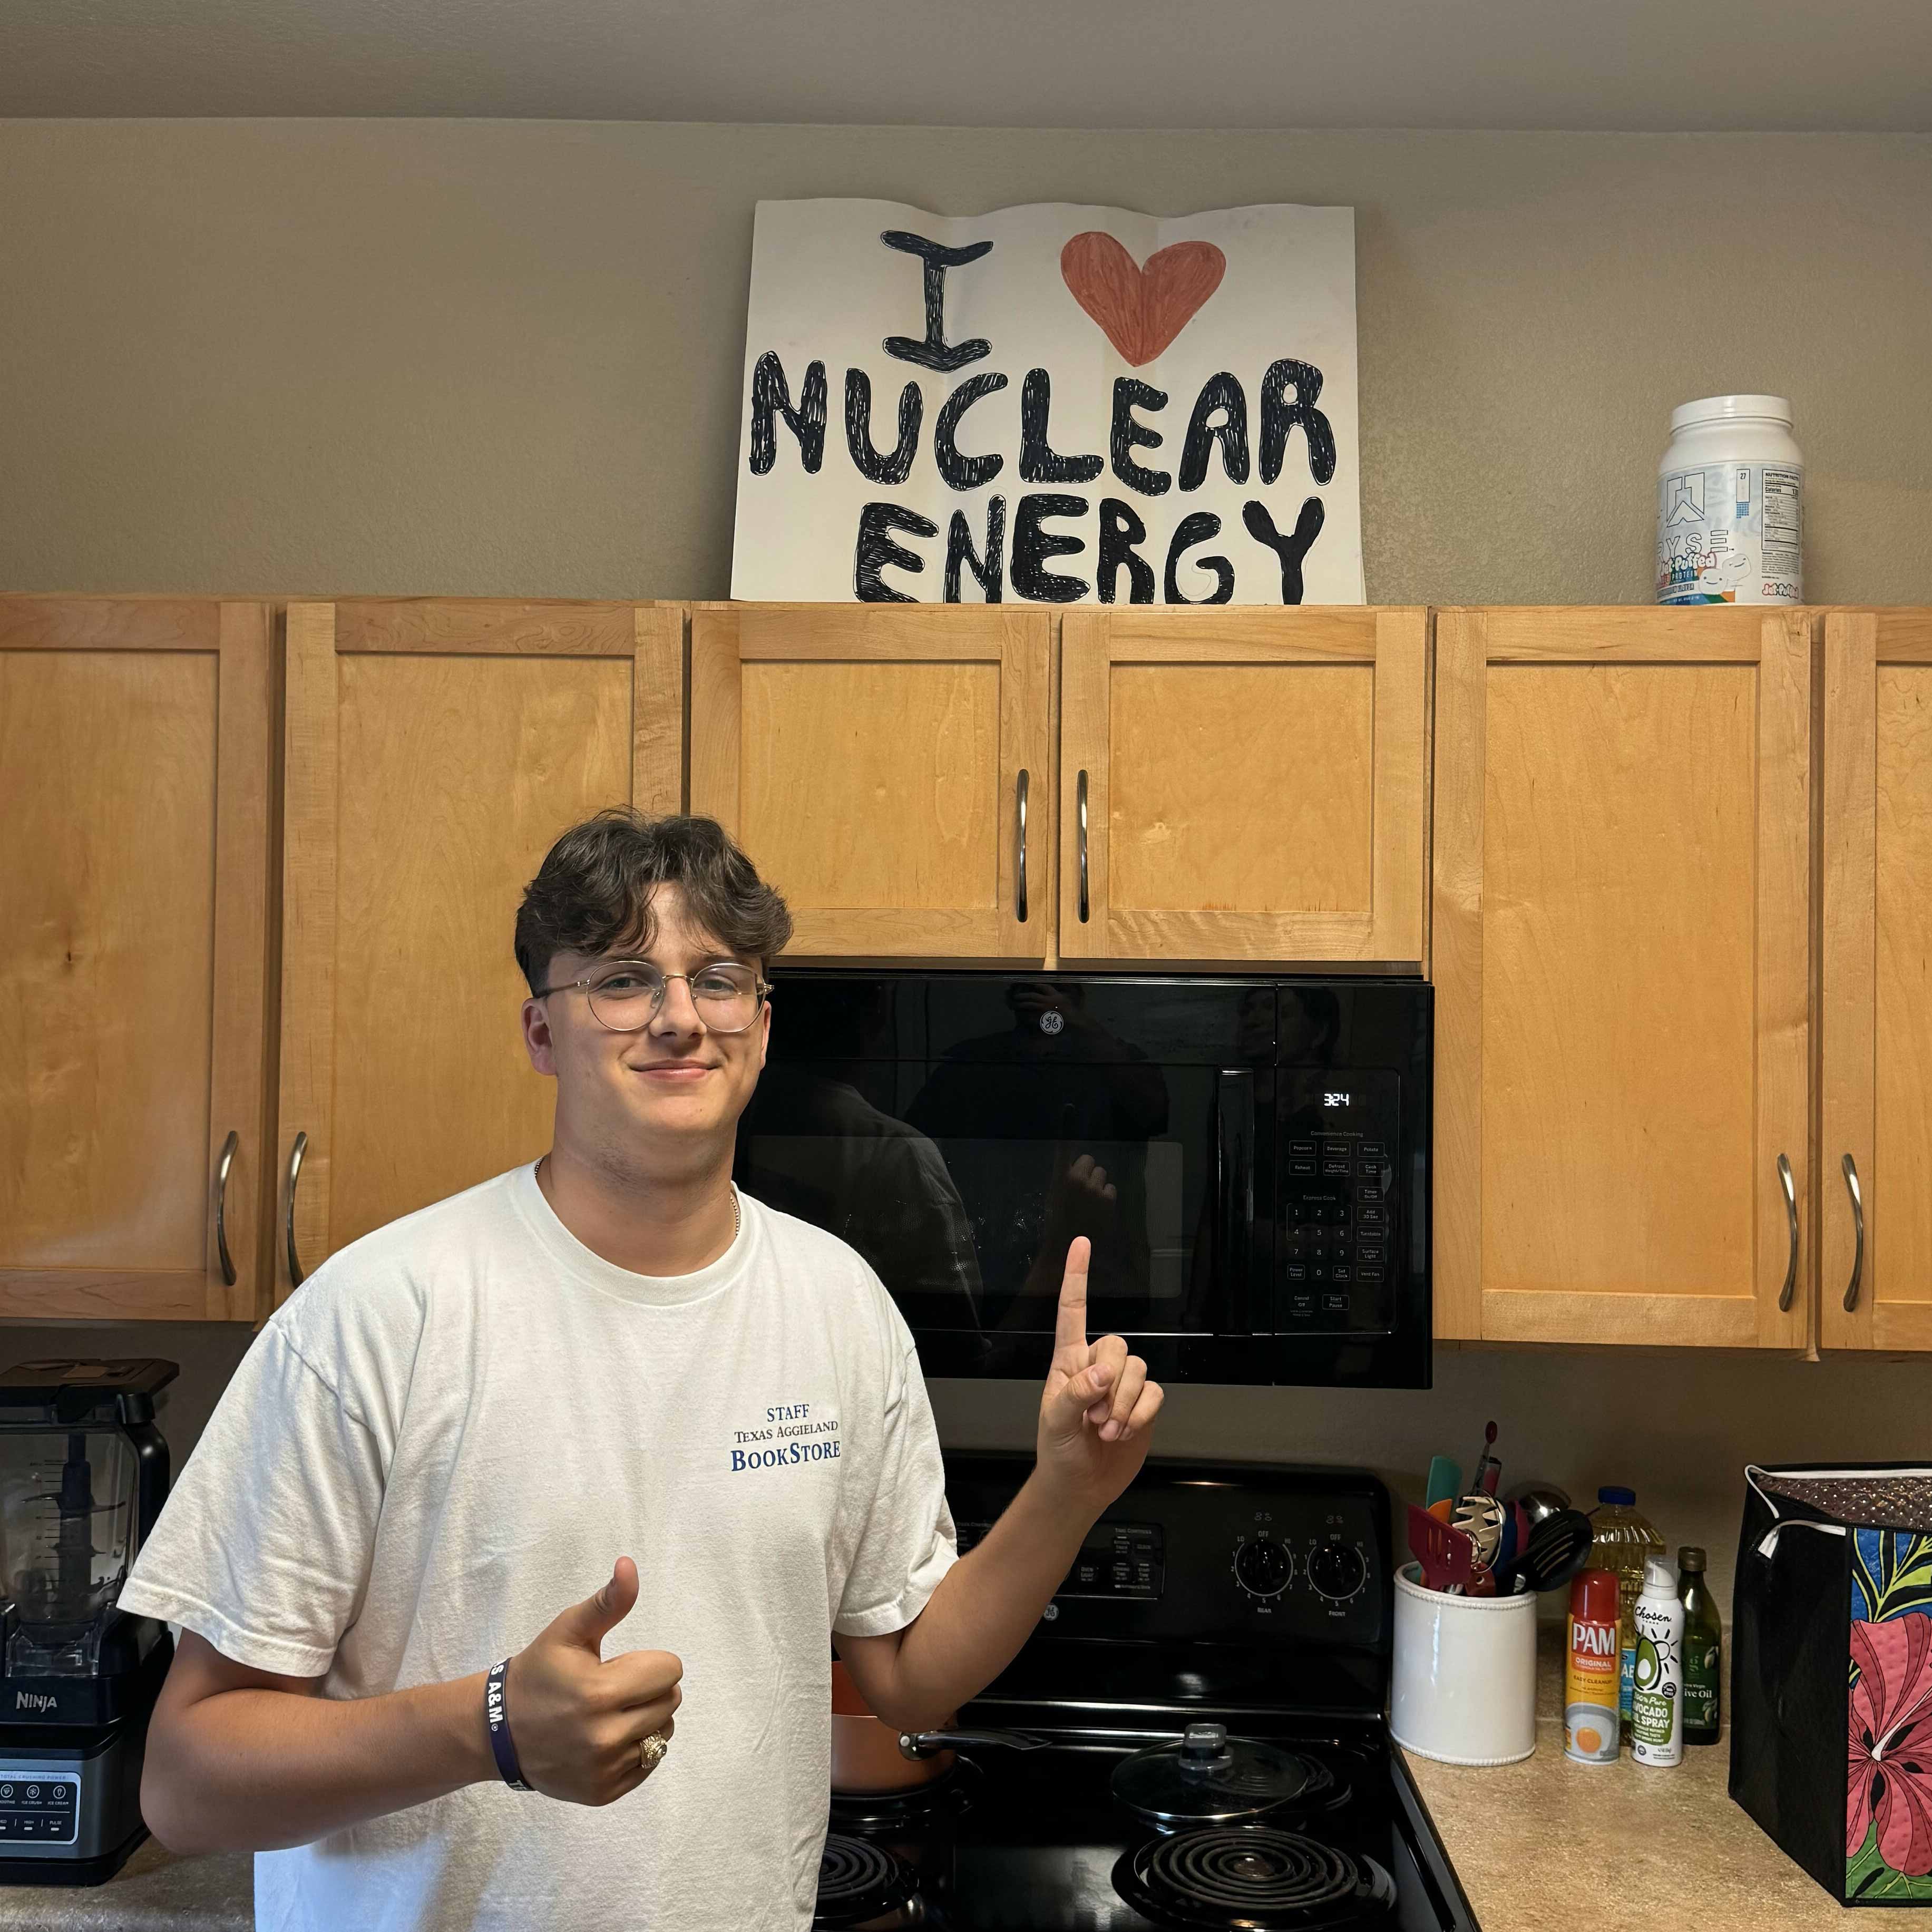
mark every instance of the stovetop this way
{"type": "Point", "coordinates": [1170, 1619]}
{"type": "Point", "coordinates": [1037, 1840]}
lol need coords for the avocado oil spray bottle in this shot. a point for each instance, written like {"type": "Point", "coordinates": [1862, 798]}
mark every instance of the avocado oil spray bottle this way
{"type": "Point", "coordinates": [1657, 1699]}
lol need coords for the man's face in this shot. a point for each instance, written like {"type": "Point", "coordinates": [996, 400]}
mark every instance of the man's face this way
{"type": "Point", "coordinates": [674, 1085]}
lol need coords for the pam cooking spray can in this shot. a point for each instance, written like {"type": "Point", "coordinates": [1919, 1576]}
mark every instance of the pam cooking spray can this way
{"type": "Point", "coordinates": [1591, 1669]}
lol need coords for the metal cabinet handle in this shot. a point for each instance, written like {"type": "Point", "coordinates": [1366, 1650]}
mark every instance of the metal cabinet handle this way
{"type": "Point", "coordinates": [1080, 794]}
{"type": "Point", "coordinates": [1851, 1173]}
{"type": "Point", "coordinates": [1791, 1213]}
{"type": "Point", "coordinates": [1020, 889]}
{"type": "Point", "coordinates": [221, 1168]}
{"type": "Point", "coordinates": [296, 1277]}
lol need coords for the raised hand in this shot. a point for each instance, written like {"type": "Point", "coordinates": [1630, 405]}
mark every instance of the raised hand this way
{"type": "Point", "coordinates": [1098, 1405]}
{"type": "Point", "coordinates": [577, 1721]}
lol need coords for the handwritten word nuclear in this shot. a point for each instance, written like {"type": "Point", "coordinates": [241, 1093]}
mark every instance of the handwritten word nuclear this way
{"type": "Point", "coordinates": [1218, 428]}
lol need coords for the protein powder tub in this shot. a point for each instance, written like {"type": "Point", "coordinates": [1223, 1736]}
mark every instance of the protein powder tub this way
{"type": "Point", "coordinates": [1730, 505]}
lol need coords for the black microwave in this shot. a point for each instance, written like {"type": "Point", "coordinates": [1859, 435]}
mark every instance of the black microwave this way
{"type": "Point", "coordinates": [1249, 1157]}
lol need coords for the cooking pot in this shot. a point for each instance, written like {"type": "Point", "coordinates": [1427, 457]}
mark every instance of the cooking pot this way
{"type": "Point", "coordinates": [869, 1755]}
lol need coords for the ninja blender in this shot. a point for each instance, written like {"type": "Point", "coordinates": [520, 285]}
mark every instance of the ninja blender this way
{"type": "Point", "coordinates": [83, 1473]}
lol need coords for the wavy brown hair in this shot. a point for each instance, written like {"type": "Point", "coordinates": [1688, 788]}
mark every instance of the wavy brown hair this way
{"type": "Point", "coordinates": [592, 893]}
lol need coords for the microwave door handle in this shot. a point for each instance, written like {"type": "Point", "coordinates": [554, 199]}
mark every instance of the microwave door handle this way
{"type": "Point", "coordinates": [1234, 1194]}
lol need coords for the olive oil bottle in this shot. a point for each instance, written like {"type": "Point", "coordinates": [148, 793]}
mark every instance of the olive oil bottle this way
{"type": "Point", "coordinates": [1703, 1652]}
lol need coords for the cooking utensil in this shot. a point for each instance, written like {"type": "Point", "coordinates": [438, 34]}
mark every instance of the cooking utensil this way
{"type": "Point", "coordinates": [1526, 1527]}
{"type": "Point", "coordinates": [866, 1756]}
{"type": "Point", "coordinates": [1509, 1539]}
{"type": "Point", "coordinates": [1488, 1469]}
{"type": "Point", "coordinates": [918, 1747]}
{"type": "Point", "coordinates": [1558, 1548]}
{"type": "Point", "coordinates": [1445, 1481]}
{"type": "Point", "coordinates": [1480, 1518]}
{"type": "Point", "coordinates": [1445, 1554]}
{"type": "Point", "coordinates": [1444, 1510]}
{"type": "Point", "coordinates": [1540, 1499]}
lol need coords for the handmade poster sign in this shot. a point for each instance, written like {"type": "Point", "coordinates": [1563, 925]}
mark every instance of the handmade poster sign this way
{"type": "Point", "coordinates": [1055, 404]}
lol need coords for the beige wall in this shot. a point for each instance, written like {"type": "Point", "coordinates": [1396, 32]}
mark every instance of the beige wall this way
{"type": "Point", "coordinates": [470, 358]}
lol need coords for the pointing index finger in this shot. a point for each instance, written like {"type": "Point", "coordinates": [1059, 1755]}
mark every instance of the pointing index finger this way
{"type": "Point", "coordinates": [1070, 1327]}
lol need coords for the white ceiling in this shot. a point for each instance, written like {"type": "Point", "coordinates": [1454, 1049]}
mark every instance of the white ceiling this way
{"type": "Point", "coordinates": [1638, 64]}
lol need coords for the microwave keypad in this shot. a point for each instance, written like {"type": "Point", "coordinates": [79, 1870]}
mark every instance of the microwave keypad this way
{"type": "Point", "coordinates": [1337, 1227]}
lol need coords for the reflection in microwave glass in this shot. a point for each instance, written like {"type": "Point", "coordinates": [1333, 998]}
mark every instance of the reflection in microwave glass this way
{"type": "Point", "coordinates": [1026, 1201]}
{"type": "Point", "coordinates": [982, 1225]}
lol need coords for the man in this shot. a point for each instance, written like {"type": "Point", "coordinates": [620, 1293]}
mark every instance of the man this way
{"type": "Point", "coordinates": [609, 1374]}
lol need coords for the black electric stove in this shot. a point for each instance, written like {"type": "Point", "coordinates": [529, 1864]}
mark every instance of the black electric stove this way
{"type": "Point", "coordinates": [1196, 1736]}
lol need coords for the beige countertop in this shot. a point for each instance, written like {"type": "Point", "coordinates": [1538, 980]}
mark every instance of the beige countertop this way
{"type": "Point", "coordinates": [153, 1891]}
{"type": "Point", "coordinates": [1543, 1845]}
{"type": "Point", "coordinates": [1552, 1846]}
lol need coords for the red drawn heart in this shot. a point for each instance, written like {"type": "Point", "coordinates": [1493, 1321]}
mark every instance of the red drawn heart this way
{"type": "Point", "coordinates": [1141, 309]}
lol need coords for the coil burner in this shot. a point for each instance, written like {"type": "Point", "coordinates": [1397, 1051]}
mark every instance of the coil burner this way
{"type": "Point", "coordinates": [1251, 1876]}
{"type": "Point", "coordinates": [859, 1882]}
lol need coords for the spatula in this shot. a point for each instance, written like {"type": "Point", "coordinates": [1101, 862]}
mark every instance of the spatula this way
{"type": "Point", "coordinates": [1445, 1479]}
{"type": "Point", "coordinates": [1559, 1547]}
{"type": "Point", "coordinates": [1445, 1554]}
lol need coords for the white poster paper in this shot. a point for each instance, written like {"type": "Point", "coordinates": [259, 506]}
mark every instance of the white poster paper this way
{"type": "Point", "coordinates": [1053, 404]}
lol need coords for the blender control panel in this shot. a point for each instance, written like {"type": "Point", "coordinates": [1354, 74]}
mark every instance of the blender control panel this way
{"type": "Point", "coordinates": [38, 1805]}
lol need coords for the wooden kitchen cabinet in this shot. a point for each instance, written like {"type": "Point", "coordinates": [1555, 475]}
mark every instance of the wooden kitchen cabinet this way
{"type": "Point", "coordinates": [1243, 785]}
{"type": "Point", "coordinates": [434, 751]}
{"type": "Point", "coordinates": [888, 768]}
{"type": "Point", "coordinates": [1875, 1017]}
{"type": "Point", "coordinates": [1621, 960]}
{"type": "Point", "coordinates": [135, 743]}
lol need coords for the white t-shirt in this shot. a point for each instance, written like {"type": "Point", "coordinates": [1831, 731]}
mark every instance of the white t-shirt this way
{"type": "Point", "coordinates": [450, 1433]}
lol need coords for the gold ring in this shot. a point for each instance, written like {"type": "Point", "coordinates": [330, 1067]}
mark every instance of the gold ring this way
{"type": "Point", "coordinates": [651, 1750]}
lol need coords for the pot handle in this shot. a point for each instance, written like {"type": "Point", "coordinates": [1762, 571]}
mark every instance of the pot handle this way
{"type": "Point", "coordinates": [916, 1745]}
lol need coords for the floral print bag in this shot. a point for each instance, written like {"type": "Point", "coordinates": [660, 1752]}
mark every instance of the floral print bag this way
{"type": "Point", "coordinates": [1831, 1674]}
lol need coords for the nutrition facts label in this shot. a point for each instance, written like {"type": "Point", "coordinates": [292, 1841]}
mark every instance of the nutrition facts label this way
{"type": "Point", "coordinates": [1784, 492]}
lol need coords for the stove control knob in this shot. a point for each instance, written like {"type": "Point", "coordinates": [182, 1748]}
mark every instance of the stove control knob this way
{"type": "Point", "coordinates": [1337, 1571]}
{"type": "Point", "coordinates": [1262, 1567]}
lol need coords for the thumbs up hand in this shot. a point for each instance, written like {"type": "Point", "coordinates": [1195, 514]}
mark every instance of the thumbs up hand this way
{"type": "Point", "coordinates": [578, 1721]}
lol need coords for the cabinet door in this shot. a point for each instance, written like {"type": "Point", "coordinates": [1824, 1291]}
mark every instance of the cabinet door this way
{"type": "Point", "coordinates": [435, 750]}
{"type": "Point", "coordinates": [134, 789]}
{"type": "Point", "coordinates": [887, 769]}
{"type": "Point", "coordinates": [1875, 1178]}
{"type": "Point", "coordinates": [1244, 785]}
{"type": "Point", "coordinates": [1621, 961]}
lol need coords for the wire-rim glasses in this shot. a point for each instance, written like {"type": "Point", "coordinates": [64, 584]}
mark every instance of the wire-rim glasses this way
{"type": "Point", "coordinates": [625, 995]}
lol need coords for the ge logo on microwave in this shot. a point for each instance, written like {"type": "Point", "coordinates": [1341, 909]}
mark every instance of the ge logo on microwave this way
{"type": "Point", "coordinates": [1052, 1020]}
